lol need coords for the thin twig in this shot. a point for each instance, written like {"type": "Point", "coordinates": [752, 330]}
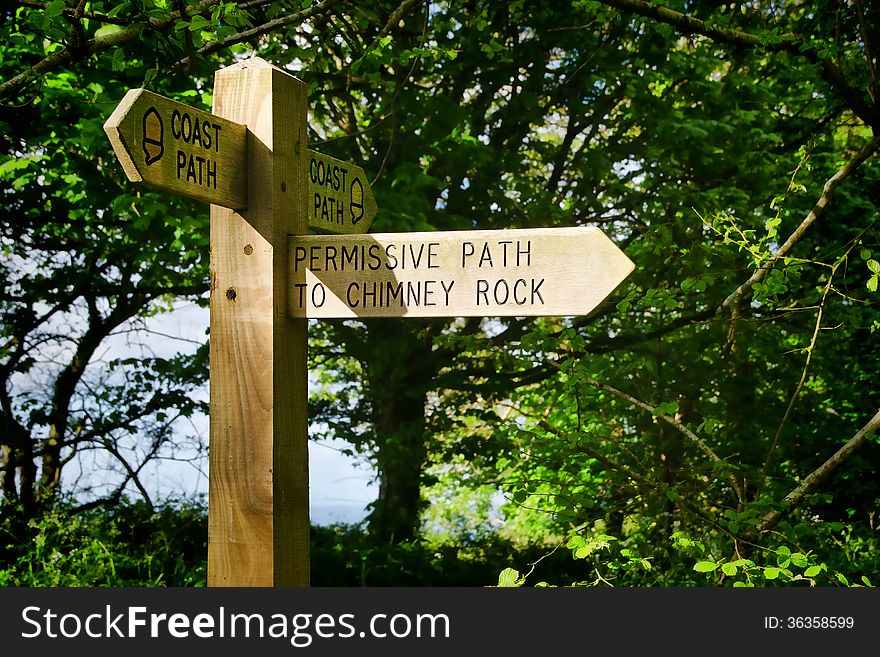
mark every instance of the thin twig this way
{"type": "Point", "coordinates": [830, 185]}
{"type": "Point", "coordinates": [678, 426]}
{"type": "Point", "coordinates": [258, 31]}
{"type": "Point", "coordinates": [67, 54]}
{"type": "Point", "coordinates": [800, 384]}
{"type": "Point", "coordinates": [812, 481]}
{"type": "Point", "coordinates": [790, 42]}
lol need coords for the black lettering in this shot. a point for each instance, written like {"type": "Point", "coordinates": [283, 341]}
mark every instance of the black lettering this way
{"type": "Point", "coordinates": [181, 163]}
{"type": "Point", "coordinates": [524, 252]}
{"type": "Point", "coordinates": [372, 295]}
{"type": "Point", "coordinates": [375, 259]}
{"type": "Point", "coordinates": [302, 292]}
{"type": "Point", "coordinates": [330, 258]}
{"type": "Point", "coordinates": [314, 255]}
{"type": "Point", "coordinates": [432, 255]}
{"type": "Point", "coordinates": [516, 298]}
{"type": "Point", "coordinates": [482, 290]}
{"type": "Point", "coordinates": [352, 303]}
{"type": "Point", "coordinates": [416, 259]}
{"type": "Point", "coordinates": [186, 128]}
{"type": "Point", "coordinates": [390, 260]}
{"type": "Point", "coordinates": [212, 174]}
{"type": "Point", "coordinates": [485, 256]}
{"type": "Point", "coordinates": [197, 133]}
{"type": "Point", "coordinates": [175, 124]}
{"type": "Point", "coordinates": [503, 284]}
{"type": "Point", "coordinates": [394, 291]}
{"type": "Point", "coordinates": [319, 287]}
{"type": "Point", "coordinates": [299, 256]}
{"type": "Point", "coordinates": [191, 168]}
{"type": "Point", "coordinates": [504, 244]}
{"type": "Point", "coordinates": [413, 293]}
{"type": "Point", "coordinates": [447, 290]}
{"type": "Point", "coordinates": [536, 291]}
{"type": "Point", "coordinates": [467, 250]}
{"type": "Point", "coordinates": [350, 257]}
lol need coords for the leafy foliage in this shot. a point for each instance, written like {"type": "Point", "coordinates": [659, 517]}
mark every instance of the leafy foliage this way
{"type": "Point", "coordinates": [710, 423]}
{"type": "Point", "coordinates": [130, 545]}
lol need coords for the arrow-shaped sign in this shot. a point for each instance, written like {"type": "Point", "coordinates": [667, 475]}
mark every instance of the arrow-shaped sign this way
{"type": "Point", "coordinates": [180, 149]}
{"type": "Point", "coordinates": [340, 197]}
{"type": "Point", "coordinates": [527, 272]}
{"type": "Point", "coordinates": [187, 151]}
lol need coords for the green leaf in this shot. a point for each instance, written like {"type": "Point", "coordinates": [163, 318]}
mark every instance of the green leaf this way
{"type": "Point", "coordinates": [799, 560]}
{"type": "Point", "coordinates": [55, 8]}
{"type": "Point", "coordinates": [509, 578]}
{"type": "Point", "coordinates": [705, 566]}
{"type": "Point", "coordinates": [874, 266]}
{"type": "Point", "coordinates": [667, 408]}
{"type": "Point", "coordinates": [728, 569]}
{"type": "Point", "coordinates": [107, 30]}
{"type": "Point", "coordinates": [812, 571]}
{"type": "Point", "coordinates": [771, 573]}
{"type": "Point", "coordinates": [872, 283]}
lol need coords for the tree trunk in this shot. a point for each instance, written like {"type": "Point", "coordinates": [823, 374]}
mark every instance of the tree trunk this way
{"type": "Point", "coordinates": [399, 375]}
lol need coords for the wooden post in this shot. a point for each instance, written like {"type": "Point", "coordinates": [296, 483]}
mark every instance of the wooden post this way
{"type": "Point", "coordinates": [258, 525]}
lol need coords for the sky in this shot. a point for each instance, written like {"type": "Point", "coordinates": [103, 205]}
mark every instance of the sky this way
{"type": "Point", "coordinates": [340, 486]}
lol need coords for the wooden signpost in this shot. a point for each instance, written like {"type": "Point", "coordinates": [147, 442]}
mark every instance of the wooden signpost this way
{"type": "Point", "coordinates": [249, 158]}
{"type": "Point", "coordinates": [543, 271]}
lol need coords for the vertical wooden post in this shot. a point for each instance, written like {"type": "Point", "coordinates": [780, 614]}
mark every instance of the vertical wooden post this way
{"type": "Point", "coordinates": [258, 525]}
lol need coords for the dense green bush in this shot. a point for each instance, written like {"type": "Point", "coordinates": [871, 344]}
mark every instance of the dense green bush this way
{"type": "Point", "coordinates": [127, 545]}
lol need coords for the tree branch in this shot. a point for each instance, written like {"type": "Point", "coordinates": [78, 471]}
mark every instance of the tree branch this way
{"type": "Point", "coordinates": [737, 295]}
{"type": "Point", "coordinates": [801, 381]}
{"type": "Point", "coordinates": [67, 54]}
{"type": "Point", "coordinates": [257, 31]}
{"type": "Point", "coordinates": [816, 478]}
{"type": "Point", "coordinates": [785, 43]}
{"type": "Point", "coordinates": [674, 423]}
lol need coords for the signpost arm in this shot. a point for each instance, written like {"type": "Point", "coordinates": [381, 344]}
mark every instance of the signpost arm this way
{"type": "Point", "coordinates": [258, 485]}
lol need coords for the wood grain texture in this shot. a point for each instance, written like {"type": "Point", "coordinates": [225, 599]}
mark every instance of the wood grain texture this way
{"type": "Point", "coordinates": [258, 484]}
{"type": "Point", "coordinates": [180, 149]}
{"type": "Point", "coordinates": [480, 273]}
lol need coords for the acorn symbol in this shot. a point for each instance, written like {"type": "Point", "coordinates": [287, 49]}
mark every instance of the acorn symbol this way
{"type": "Point", "coordinates": [152, 143]}
{"type": "Point", "coordinates": [357, 201]}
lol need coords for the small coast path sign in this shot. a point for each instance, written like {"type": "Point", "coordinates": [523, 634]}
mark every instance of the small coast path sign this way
{"type": "Point", "coordinates": [340, 197]}
{"type": "Point", "coordinates": [180, 149]}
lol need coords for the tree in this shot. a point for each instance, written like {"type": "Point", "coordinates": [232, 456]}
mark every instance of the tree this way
{"type": "Point", "coordinates": [720, 399]}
